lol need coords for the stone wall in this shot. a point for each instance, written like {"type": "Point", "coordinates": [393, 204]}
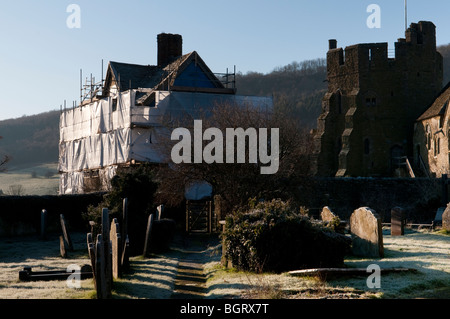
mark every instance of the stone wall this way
{"type": "Point", "coordinates": [420, 197]}
{"type": "Point", "coordinates": [21, 215]}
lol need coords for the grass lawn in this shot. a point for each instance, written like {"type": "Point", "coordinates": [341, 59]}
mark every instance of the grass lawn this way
{"type": "Point", "coordinates": [41, 179]}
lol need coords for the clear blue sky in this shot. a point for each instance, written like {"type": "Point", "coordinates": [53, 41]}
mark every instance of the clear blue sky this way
{"type": "Point", "coordinates": [41, 58]}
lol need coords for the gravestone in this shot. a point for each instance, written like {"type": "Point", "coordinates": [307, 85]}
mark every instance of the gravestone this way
{"type": "Point", "coordinates": [66, 235]}
{"type": "Point", "coordinates": [446, 218]}
{"type": "Point", "coordinates": [107, 248]}
{"type": "Point", "coordinates": [366, 230]}
{"type": "Point", "coordinates": [116, 249]}
{"type": "Point", "coordinates": [438, 217]}
{"type": "Point", "coordinates": [148, 235]}
{"type": "Point", "coordinates": [397, 221]}
{"type": "Point", "coordinates": [327, 215]}
{"type": "Point", "coordinates": [62, 247]}
{"type": "Point", "coordinates": [100, 269]}
{"type": "Point", "coordinates": [124, 236]}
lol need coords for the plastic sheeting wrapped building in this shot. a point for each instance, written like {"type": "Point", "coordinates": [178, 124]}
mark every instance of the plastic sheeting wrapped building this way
{"type": "Point", "coordinates": [121, 126]}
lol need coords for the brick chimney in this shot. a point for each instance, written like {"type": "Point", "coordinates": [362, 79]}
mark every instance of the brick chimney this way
{"type": "Point", "coordinates": [170, 46]}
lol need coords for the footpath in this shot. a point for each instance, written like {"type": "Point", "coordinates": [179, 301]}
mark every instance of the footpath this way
{"type": "Point", "coordinates": [197, 250]}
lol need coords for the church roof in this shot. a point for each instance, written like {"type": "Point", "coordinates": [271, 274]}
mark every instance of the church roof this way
{"type": "Point", "coordinates": [439, 105]}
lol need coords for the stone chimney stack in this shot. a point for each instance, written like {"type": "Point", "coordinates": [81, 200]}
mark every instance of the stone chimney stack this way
{"type": "Point", "coordinates": [170, 46]}
{"type": "Point", "coordinates": [332, 44]}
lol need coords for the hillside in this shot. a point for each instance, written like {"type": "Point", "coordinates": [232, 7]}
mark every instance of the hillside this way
{"type": "Point", "coordinates": [300, 85]}
{"type": "Point", "coordinates": [445, 51]}
{"type": "Point", "coordinates": [31, 139]}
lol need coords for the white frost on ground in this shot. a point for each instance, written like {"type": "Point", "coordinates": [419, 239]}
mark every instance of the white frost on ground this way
{"type": "Point", "coordinates": [154, 277]}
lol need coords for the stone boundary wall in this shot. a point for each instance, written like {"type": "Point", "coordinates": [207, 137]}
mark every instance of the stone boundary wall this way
{"type": "Point", "coordinates": [21, 215]}
{"type": "Point", "coordinates": [420, 197]}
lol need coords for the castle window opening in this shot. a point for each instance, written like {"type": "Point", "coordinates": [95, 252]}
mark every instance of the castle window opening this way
{"type": "Point", "coordinates": [436, 146]}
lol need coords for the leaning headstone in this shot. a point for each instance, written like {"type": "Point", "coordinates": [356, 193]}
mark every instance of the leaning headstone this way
{"type": "Point", "coordinates": [43, 224]}
{"type": "Point", "coordinates": [366, 230]}
{"type": "Point", "coordinates": [124, 233]}
{"type": "Point", "coordinates": [148, 235]}
{"type": "Point", "coordinates": [327, 215]}
{"type": "Point", "coordinates": [446, 218]}
{"type": "Point", "coordinates": [116, 249]}
{"type": "Point", "coordinates": [62, 247]}
{"type": "Point", "coordinates": [397, 221]}
{"type": "Point", "coordinates": [66, 235]}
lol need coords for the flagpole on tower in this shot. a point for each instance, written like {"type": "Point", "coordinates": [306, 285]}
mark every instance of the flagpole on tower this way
{"type": "Point", "coordinates": [406, 15]}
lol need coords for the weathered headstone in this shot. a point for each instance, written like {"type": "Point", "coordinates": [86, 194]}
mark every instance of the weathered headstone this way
{"type": "Point", "coordinates": [116, 249]}
{"type": "Point", "coordinates": [366, 230]}
{"type": "Point", "coordinates": [100, 269]}
{"type": "Point", "coordinates": [148, 235]}
{"type": "Point", "coordinates": [397, 221]}
{"type": "Point", "coordinates": [327, 215]}
{"type": "Point", "coordinates": [124, 236]}
{"type": "Point", "coordinates": [43, 224]}
{"type": "Point", "coordinates": [446, 218]}
{"type": "Point", "coordinates": [62, 247]}
{"type": "Point", "coordinates": [107, 248]}
{"type": "Point", "coordinates": [66, 235]}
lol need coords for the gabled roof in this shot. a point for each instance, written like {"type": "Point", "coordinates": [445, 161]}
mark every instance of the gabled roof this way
{"type": "Point", "coordinates": [439, 105]}
{"type": "Point", "coordinates": [134, 76]}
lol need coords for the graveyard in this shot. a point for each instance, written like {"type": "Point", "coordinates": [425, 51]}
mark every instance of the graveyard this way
{"type": "Point", "coordinates": [414, 263]}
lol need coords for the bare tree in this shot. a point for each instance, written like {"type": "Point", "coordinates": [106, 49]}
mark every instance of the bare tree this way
{"type": "Point", "coordinates": [16, 190]}
{"type": "Point", "coordinates": [236, 183]}
{"type": "Point", "coordinates": [4, 161]}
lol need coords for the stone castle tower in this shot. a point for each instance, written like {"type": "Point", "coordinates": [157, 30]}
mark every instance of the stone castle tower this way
{"type": "Point", "coordinates": [373, 101]}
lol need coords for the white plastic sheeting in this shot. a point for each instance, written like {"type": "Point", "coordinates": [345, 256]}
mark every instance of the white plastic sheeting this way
{"type": "Point", "coordinates": [73, 182]}
{"type": "Point", "coordinates": [113, 131]}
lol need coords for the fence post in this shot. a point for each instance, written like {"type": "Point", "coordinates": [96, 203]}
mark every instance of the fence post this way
{"type": "Point", "coordinates": [43, 224]}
